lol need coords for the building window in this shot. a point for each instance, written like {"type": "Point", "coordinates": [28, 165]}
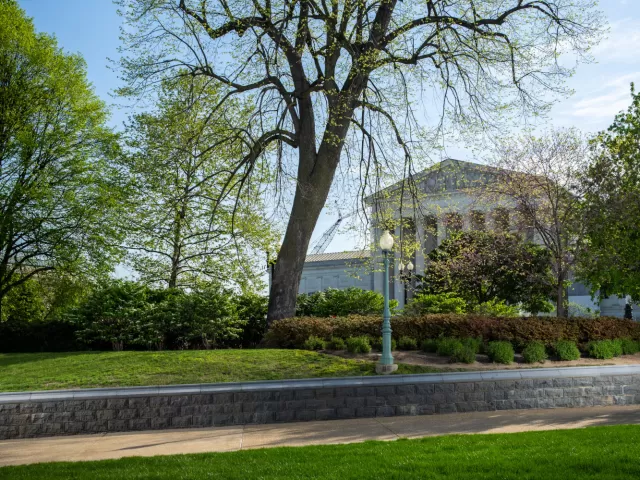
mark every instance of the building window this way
{"type": "Point", "coordinates": [478, 220]}
{"type": "Point", "coordinates": [453, 222]}
{"type": "Point", "coordinates": [501, 219]}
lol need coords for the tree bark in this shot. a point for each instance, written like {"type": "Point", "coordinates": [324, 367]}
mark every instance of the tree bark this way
{"type": "Point", "coordinates": [561, 297]}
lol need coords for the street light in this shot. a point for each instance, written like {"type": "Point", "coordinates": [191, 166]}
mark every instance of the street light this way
{"type": "Point", "coordinates": [386, 365]}
{"type": "Point", "coordinates": [406, 276]}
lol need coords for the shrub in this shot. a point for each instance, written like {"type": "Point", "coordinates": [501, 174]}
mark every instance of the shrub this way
{"type": "Point", "coordinates": [518, 330]}
{"type": "Point", "coordinates": [474, 344]}
{"type": "Point", "coordinates": [335, 302]}
{"type": "Point", "coordinates": [439, 303]}
{"type": "Point", "coordinates": [463, 354]}
{"type": "Point", "coordinates": [616, 347]}
{"type": "Point", "coordinates": [602, 349]}
{"type": "Point", "coordinates": [429, 345]}
{"type": "Point", "coordinates": [501, 352]}
{"type": "Point", "coordinates": [358, 345]}
{"type": "Point", "coordinates": [407, 343]}
{"type": "Point", "coordinates": [629, 346]}
{"type": "Point", "coordinates": [496, 308]}
{"type": "Point", "coordinates": [567, 350]}
{"type": "Point", "coordinates": [252, 309]}
{"type": "Point", "coordinates": [376, 343]}
{"type": "Point", "coordinates": [314, 343]}
{"type": "Point", "coordinates": [446, 346]}
{"type": "Point", "coordinates": [534, 352]}
{"type": "Point", "coordinates": [336, 343]}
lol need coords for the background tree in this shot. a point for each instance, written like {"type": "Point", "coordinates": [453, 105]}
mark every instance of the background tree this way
{"type": "Point", "coordinates": [58, 193]}
{"type": "Point", "coordinates": [317, 68]}
{"type": "Point", "coordinates": [481, 267]}
{"type": "Point", "coordinates": [611, 257]}
{"type": "Point", "coordinates": [179, 236]}
{"type": "Point", "coordinates": [540, 175]}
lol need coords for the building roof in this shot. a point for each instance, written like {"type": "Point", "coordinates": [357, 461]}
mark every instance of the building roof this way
{"type": "Point", "coordinates": [350, 255]}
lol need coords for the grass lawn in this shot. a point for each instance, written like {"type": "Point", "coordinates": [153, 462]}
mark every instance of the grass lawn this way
{"type": "Point", "coordinates": [602, 453]}
{"type": "Point", "coordinates": [49, 371]}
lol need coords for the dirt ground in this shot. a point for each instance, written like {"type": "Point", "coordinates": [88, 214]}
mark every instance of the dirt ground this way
{"type": "Point", "coordinates": [482, 361]}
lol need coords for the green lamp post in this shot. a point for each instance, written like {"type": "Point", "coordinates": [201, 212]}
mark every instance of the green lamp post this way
{"type": "Point", "coordinates": [386, 365]}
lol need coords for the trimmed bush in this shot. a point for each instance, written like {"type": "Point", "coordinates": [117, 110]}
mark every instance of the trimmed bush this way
{"type": "Point", "coordinates": [616, 346]}
{"type": "Point", "coordinates": [358, 345]}
{"type": "Point", "coordinates": [601, 349]}
{"type": "Point", "coordinates": [314, 343]}
{"type": "Point", "coordinates": [347, 301]}
{"type": "Point", "coordinates": [629, 346]}
{"type": "Point", "coordinates": [446, 346]}
{"type": "Point", "coordinates": [501, 352]}
{"type": "Point", "coordinates": [407, 343]}
{"type": "Point", "coordinates": [429, 345]}
{"type": "Point", "coordinates": [534, 352]}
{"type": "Point", "coordinates": [567, 350]}
{"type": "Point", "coordinates": [436, 303]}
{"type": "Point", "coordinates": [463, 354]}
{"type": "Point", "coordinates": [519, 331]}
{"type": "Point", "coordinates": [336, 343]}
{"type": "Point", "coordinates": [376, 343]}
{"type": "Point", "coordinates": [474, 344]}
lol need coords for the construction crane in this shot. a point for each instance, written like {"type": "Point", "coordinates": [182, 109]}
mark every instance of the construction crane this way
{"type": "Point", "coordinates": [321, 245]}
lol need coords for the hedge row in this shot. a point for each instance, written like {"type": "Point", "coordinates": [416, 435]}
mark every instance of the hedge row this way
{"type": "Point", "coordinates": [293, 332]}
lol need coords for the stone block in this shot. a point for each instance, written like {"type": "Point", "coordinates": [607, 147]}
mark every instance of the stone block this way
{"type": "Point", "coordinates": [338, 402]}
{"type": "Point", "coordinates": [385, 411]}
{"type": "Point", "coordinates": [159, 423]}
{"type": "Point", "coordinates": [484, 406]}
{"type": "Point", "coordinates": [454, 397]}
{"type": "Point", "coordinates": [193, 410]}
{"type": "Point", "coordinates": [179, 400]}
{"type": "Point", "coordinates": [446, 408]}
{"type": "Point", "coordinates": [285, 416]}
{"type": "Point", "coordinates": [436, 399]}
{"type": "Point", "coordinates": [346, 412]}
{"type": "Point", "coordinates": [397, 400]}
{"type": "Point", "coordinates": [543, 383]}
{"type": "Point", "coordinates": [444, 388]}
{"type": "Point", "coordinates": [624, 399]}
{"type": "Point", "coordinates": [474, 397]}
{"type": "Point", "coordinates": [526, 403]}
{"type": "Point", "coordinates": [349, 391]}
{"type": "Point", "coordinates": [375, 401]}
{"type": "Point", "coordinates": [181, 422]}
{"type": "Point", "coordinates": [21, 419]}
{"type": "Point", "coordinates": [484, 386]}
{"type": "Point", "coordinates": [324, 393]}
{"type": "Point", "coordinates": [405, 389]}
{"type": "Point", "coordinates": [505, 404]}
{"type": "Point", "coordinates": [611, 389]}
{"type": "Point", "coordinates": [203, 420]}
{"type": "Point", "coordinates": [201, 399]}
{"type": "Point", "coordinates": [326, 414]}
{"type": "Point", "coordinates": [223, 420]}
{"type": "Point", "coordinates": [305, 394]}
{"type": "Point", "coordinates": [603, 380]}
{"type": "Point", "coordinates": [74, 405]}
{"type": "Point", "coordinates": [553, 392]}
{"type": "Point", "coordinates": [118, 403]}
{"type": "Point", "coordinates": [74, 427]}
{"type": "Point", "coordinates": [548, 402]}
{"type": "Point", "coordinates": [168, 411]}
{"type": "Point", "coordinates": [295, 405]}
{"type": "Point", "coordinates": [505, 384]}
{"type": "Point", "coordinates": [31, 407]}
{"type": "Point", "coordinates": [406, 410]}
{"type": "Point", "coordinates": [96, 426]}
{"type": "Point", "coordinates": [139, 402]}
{"type": "Point", "coordinates": [29, 431]}
{"type": "Point", "coordinates": [562, 382]}
{"type": "Point", "coordinates": [148, 412]}
{"type": "Point", "coordinates": [40, 418]}
{"type": "Point", "coordinates": [416, 399]}
{"type": "Point", "coordinates": [315, 404]}
{"type": "Point", "coordinates": [157, 402]}
{"type": "Point", "coordinates": [524, 384]}
{"type": "Point", "coordinates": [305, 415]}
{"type": "Point", "coordinates": [386, 391]}
{"type": "Point", "coordinates": [126, 414]}
{"type": "Point", "coordinates": [8, 432]}
{"type": "Point", "coordinates": [221, 398]}
{"type": "Point", "coordinates": [96, 404]}
{"type": "Point", "coordinates": [623, 380]}
{"type": "Point", "coordinates": [425, 389]}
{"type": "Point", "coordinates": [491, 396]}
{"type": "Point", "coordinates": [574, 392]}
{"type": "Point", "coordinates": [365, 412]}
{"type": "Point", "coordinates": [603, 400]}
{"type": "Point", "coordinates": [283, 395]}
{"type": "Point", "coordinates": [84, 416]}
{"type": "Point", "coordinates": [582, 381]}
{"type": "Point", "coordinates": [426, 409]}
{"type": "Point", "coordinates": [8, 408]}
{"type": "Point", "coordinates": [465, 387]}
{"type": "Point", "coordinates": [355, 402]}
{"type": "Point", "coordinates": [62, 417]}
{"type": "Point", "coordinates": [117, 425]}
{"type": "Point", "coordinates": [466, 407]}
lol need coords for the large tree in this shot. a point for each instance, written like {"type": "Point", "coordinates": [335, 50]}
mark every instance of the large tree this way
{"type": "Point", "coordinates": [317, 68]}
{"type": "Point", "coordinates": [178, 236]}
{"type": "Point", "coordinates": [540, 175]}
{"type": "Point", "coordinates": [485, 266]}
{"type": "Point", "coordinates": [57, 190]}
{"type": "Point", "coordinates": [610, 260]}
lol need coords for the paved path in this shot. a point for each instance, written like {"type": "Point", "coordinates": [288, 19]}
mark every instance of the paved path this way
{"type": "Point", "coordinates": [226, 439]}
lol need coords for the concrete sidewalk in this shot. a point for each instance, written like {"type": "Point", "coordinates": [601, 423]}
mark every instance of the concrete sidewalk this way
{"type": "Point", "coordinates": [226, 439]}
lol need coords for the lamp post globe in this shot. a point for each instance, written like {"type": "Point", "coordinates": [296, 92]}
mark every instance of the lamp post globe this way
{"type": "Point", "coordinates": [385, 365]}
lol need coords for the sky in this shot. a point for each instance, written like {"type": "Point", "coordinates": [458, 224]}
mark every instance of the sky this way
{"type": "Point", "coordinates": [91, 28]}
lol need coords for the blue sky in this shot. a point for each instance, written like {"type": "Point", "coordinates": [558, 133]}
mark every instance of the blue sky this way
{"type": "Point", "coordinates": [91, 28]}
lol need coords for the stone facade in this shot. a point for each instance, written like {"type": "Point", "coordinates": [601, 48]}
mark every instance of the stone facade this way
{"type": "Point", "coordinates": [120, 410]}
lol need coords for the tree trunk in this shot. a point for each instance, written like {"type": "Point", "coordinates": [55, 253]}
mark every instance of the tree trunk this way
{"type": "Point", "coordinates": [561, 297]}
{"type": "Point", "coordinates": [308, 202]}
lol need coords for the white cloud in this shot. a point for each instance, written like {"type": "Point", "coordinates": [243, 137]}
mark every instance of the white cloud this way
{"type": "Point", "coordinates": [621, 44]}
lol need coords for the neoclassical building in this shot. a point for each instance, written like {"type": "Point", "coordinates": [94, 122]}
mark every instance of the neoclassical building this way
{"type": "Point", "coordinates": [438, 201]}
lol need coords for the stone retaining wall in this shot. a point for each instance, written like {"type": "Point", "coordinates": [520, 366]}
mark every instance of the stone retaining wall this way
{"type": "Point", "coordinates": [127, 409]}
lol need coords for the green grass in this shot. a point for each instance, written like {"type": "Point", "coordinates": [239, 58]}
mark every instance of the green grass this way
{"type": "Point", "coordinates": [602, 453]}
{"type": "Point", "coordinates": [49, 371]}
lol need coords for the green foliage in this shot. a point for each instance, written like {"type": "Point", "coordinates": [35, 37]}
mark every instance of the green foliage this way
{"type": "Point", "coordinates": [474, 344]}
{"type": "Point", "coordinates": [501, 352]}
{"type": "Point", "coordinates": [293, 332]}
{"type": "Point", "coordinates": [446, 346]}
{"type": "Point", "coordinates": [463, 354]}
{"type": "Point", "coordinates": [314, 343]}
{"type": "Point", "coordinates": [252, 309]}
{"type": "Point", "coordinates": [612, 207]}
{"type": "Point", "coordinates": [567, 350]}
{"type": "Point", "coordinates": [616, 347]}
{"type": "Point", "coordinates": [60, 197]}
{"type": "Point", "coordinates": [430, 345]}
{"type": "Point", "coordinates": [534, 352]}
{"type": "Point", "coordinates": [407, 343]}
{"type": "Point", "coordinates": [335, 302]}
{"type": "Point", "coordinates": [376, 343]}
{"type": "Point", "coordinates": [496, 308]}
{"type": "Point", "coordinates": [487, 266]}
{"type": "Point", "coordinates": [629, 346]}
{"type": "Point", "coordinates": [601, 349]}
{"type": "Point", "coordinates": [426, 303]}
{"type": "Point", "coordinates": [24, 303]}
{"type": "Point", "coordinates": [175, 155]}
{"type": "Point", "coordinates": [358, 345]}
{"type": "Point", "coordinates": [336, 343]}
